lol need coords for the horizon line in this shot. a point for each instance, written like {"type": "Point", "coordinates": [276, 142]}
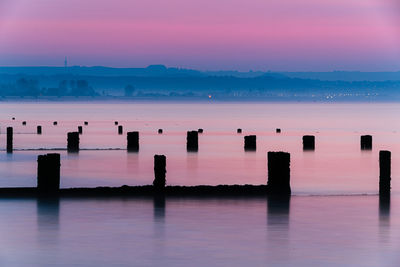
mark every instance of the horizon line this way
{"type": "Point", "coordinates": [194, 69]}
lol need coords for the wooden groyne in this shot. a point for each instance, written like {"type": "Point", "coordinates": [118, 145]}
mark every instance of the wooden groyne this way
{"type": "Point", "coordinates": [145, 190]}
{"type": "Point", "coordinates": [278, 170]}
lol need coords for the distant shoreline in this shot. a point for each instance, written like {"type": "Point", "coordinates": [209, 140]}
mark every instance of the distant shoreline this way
{"type": "Point", "coordinates": [116, 99]}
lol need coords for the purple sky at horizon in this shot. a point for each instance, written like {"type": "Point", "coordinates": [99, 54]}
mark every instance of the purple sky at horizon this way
{"type": "Point", "coordinates": [282, 35]}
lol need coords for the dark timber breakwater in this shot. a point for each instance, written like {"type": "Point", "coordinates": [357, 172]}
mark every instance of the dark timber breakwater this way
{"type": "Point", "coordinates": [277, 183]}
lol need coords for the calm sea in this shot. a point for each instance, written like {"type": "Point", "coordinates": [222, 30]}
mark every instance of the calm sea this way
{"type": "Point", "coordinates": [333, 219]}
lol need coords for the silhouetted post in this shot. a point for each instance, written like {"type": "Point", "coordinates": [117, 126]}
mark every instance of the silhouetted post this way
{"type": "Point", "coordinates": [250, 142]}
{"type": "Point", "coordinates": [80, 129]}
{"type": "Point", "coordinates": [278, 130]}
{"type": "Point", "coordinates": [308, 142]}
{"type": "Point", "coordinates": [116, 122]}
{"type": "Point", "coordinates": [9, 139]}
{"type": "Point", "coordinates": [13, 118]}
{"type": "Point", "coordinates": [160, 131]}
{"type": "Point", "coordinates": [39, 129]}
{"type": "Point", "coordinates": [160, 162]}
{"type": "Point", "coordinates": [24, 123]}
{"type": "Point", "coordinates": [133, 141]}
{"type": "Point", "coordinates": [192, 141]}
{"type": "Point", "coordinates": [54, 123]}
{"type": "Point", "coordinates": [120, 129]}
{"type": "Point", "coordinates": [366, 142]}
{"type": "Point", "coordinates": [73, 142]}
{"type": "Point", "coordinates": [278, 173]}
{"type": "Point", "coordinates": [384, 173]}
{"type": "Point", "coordinates": [48, 174]}
{"type": "Point", "coordinates": [239, 131]}
{"type": "Point", "coordinates": [86, 123]}
{"type": "Point", "coordinates": [200, 130]}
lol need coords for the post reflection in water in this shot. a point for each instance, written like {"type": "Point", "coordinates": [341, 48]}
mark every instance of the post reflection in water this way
{"type": "Point", "coordinates": [48, 213]}
{"type": "Point", "coordinates": [278, 208]}
{"type": "Point", "coordinates": [159, 208]}
{"type": "Point", "coordinates": [384, 218]}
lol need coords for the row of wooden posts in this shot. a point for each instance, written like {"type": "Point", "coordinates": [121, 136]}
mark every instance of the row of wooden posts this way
{"type": "Point", "coordinates": [192, 143]}
{"type": "Point", "coordinates": [48, 175]}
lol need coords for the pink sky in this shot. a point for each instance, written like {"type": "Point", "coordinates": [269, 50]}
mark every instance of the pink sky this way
{"type": "Point", "coordinates": [292, 35]}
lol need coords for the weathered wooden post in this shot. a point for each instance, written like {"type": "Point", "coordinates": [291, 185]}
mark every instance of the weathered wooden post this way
{"type": "Point", "coordinates": [39, 129]}
{"type": "Point", "coordinates": [384, 173]}
{"type": "Point", "coordinates": [73, 142]}
{"type": "Point", "coordinates": [48, 174]}
{"type": "Point", "coordinates": [308, 142]}
{"type": "Point", "coordinates": [9, 139]}
{"type": "Point", "coordinates": [278, 173]}
{"type": "Point", "coordinates": [120, 129]}
{"type": "Point", "coordinates": [80, 131]}
{"type": "Point", "coordinates": [239, 131]}
{"type": "Point", "coordinates": [133, 141]}
{"type": "Point", "coordinates": [200, 130]}
{"type": "Point", "coordinates": [278, 130]}
{"type": "Point", "coordinates": [250, 142]}
{"type": "Point", "coordinates": [366, 142]}
{"type": "Point", "coordinates": [24, 123]}
{"type": "Point", "coordinates": [160, 162]}
{"type": "Point", "coordinates": [55, 123]}
{"type": "Point", "coordinates": [192, 141]}
{"type": "Point", "coordinates": [160, 131]}
{"type": "Point", "coordinates": [86, 123]}
{"type": "Point", "coordinates": [115, 122]}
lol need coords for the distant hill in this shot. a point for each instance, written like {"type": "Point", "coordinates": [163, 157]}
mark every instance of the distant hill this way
{"type": "Point", "coordinates": [158, 81]}
{"type": "Point", "coordinates": [163, 71]}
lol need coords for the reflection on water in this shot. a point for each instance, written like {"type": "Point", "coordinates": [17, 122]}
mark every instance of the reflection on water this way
{"type": "Point", "coordinates": [278, 208]}
{"type": "Point", "coordinates": [384, 208]}
{"type": "Point", "coordinates": [48, 212]}
{"type": "Point", "coordinates": [384, 218]}
{"type": "Point", "coordinates": [159, 208]}
{"type": "Point", "coordinates": [296, 231]}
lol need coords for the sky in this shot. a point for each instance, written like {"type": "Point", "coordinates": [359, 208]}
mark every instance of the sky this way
{"type": "Point", "coordinates": [280, 35]}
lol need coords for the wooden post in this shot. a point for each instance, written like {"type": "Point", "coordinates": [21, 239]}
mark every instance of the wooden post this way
{"type": "Point", "coordinates": [80, 130]}
{"type": "Point", "coordinates": [160, 131]}
{"type": "Point", "coordinates": [250, 143]}
{"type": "Point", "coordinates": [200, 130]}
{"type": "Point", "coordinates": [239, 131]}
{"type": "Point", "coordinates": [278, 173]}
{"type": "Point", "coordinates": [366, 142]}
{"type": "Point", "coordinates": [39, 129]}
{"type": "Point", "coordinates": [73, 142]}
{"type": "Point", "coordinates": [9, 139]}
{"type": "Point", "coordinates": [54, 123]}
{"type": "Point", "coordinates": [86, 123]}
{"type": "Point", "coordinates": [278, 130]}
{"type": "Point", "coordinates": [48, 174]}
{"type": "Point", "coordinates": [116, 122]}
{"type": "Point", "coordinates": [192, 141]}
{"type": "Point", "coordinates": [120, 129]}
{"type": "Point", "coordinates": [308, 142]}
{"type": "Point", "coordinates": [24, 123]}
{"type": "Point", "coordinates": [133, 141]}
{"type": "Point", "coordinates": [384, 173]}
{"type": "Point", "coordinates": [159, 172]}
